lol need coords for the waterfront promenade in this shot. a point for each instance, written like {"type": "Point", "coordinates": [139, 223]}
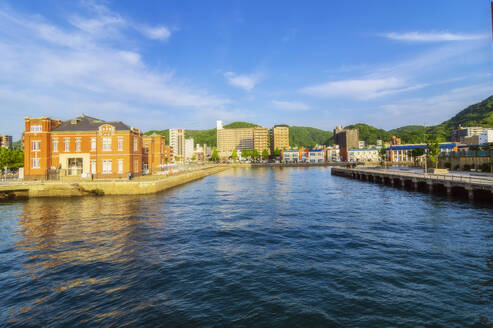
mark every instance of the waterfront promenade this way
{"type": "Point", "coordinates": [474, 187]}
{"type": "Point", "coordinates": [137, 186]}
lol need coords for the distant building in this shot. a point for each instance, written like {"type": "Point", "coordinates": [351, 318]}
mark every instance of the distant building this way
{"type": "Point", "coordinates": [363, 155]}
{"type": "Point", "coordinates": [279, 137]}
{"type": "Point", "coordinates": [346, 139]}
{"type": "Point", "coordinates": [471, 140]}
{"type": "Point", "coordinates": [177, 142]}
{"type": "Point", "coordinates": [189, 149]}
{"type": "Point", "coordinates": [461, 133]}
{"type": "Point", "coordinates": [379, 143]}
{"type": "Point", "coordinates": [300, 155]}
{"type": "Point", "coordinates": [230, 139]}
{"type": "Point", "coordinates": [333, 154]}
{"type": "Point", "coordinates": [5, 141]}
{"type": "Point", "coordinates": [361, 144]}
{"type": "Point", "coordinates": [395, 141]}
{"type": "Point", "coordinates": [316, 156]}
{"type": "Point", "coordinates": [260, 139]}
{"type": "Point", "coordinates": [486, 137]}
{"type": "Point", "coordinates": [401, 153]}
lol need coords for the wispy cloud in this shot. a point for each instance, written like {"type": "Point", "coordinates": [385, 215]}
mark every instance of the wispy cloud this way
{"type": "Point", "coordinates": [156, 33]}
{"type": "Point", "coordinates": [362, 89]}
{"type": "Point", "coordinates": [290, 105]}
{"type": "Point", "coordinates": [242, 81]}
{"type": "Point", "coordinates": [71, 65]}
{"type": "Point", "coordinates": [432, 36]}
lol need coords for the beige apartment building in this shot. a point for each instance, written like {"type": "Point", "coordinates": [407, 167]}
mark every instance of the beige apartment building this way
{"type": "Point", "coordinates": [229, 139]}
{"type": "Point", "coordinates": [260, 138]}
{"type": "Point", "coordinates": [279, 137]}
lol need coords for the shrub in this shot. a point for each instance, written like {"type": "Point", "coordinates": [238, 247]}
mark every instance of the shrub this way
{"type": "Point", "coordinates": [448, 165]}
{"type": "Point", "coordinates": [457, 167]}
{"type": "Point", "coordinates": [485, 167]}
{"type": "Point", "coordinates": [467, 167]}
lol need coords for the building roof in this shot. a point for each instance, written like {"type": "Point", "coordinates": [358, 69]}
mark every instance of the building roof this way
{"type": "Point", "coordinates": [86, 123]}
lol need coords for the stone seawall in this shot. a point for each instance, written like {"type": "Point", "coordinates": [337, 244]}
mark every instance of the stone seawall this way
{"type": "Point", "coordinates": [87, 188]}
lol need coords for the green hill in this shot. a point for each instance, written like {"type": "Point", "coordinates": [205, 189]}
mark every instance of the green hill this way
{"type": "Point", "coordinates": [303, 136]}
{"type": "Point", "coordinates": [480, 114]}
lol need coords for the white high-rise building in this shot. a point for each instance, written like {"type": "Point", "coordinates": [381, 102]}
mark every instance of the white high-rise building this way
{"type": "Point", "coordinates": [486, 137]}
{"type": "Point", "coordinates": [177, 142]}
{"type": "Point", "coordinates": [189, 149]}
{"type": "Point", "coordinates": [219, 125]}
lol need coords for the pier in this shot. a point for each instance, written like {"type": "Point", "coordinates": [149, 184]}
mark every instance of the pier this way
{"type": "Point", "coordinates": [473, 187]}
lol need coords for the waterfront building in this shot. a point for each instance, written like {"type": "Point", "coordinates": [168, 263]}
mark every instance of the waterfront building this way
{"type": "Point", "coordinates": [346, 139]}
{"type": "Point", "coordinates": [461, 133]}
{"type": "Point", "coordinates": [260, 139]}
{"type": "Point", "coordinates": [333, 154]}
{"type": "Point", "coordinates": [86, 146]}
{"type": "Point", "coordinates": [300, 155]}
{"type": "Point", "coordinates": [486, 137]}
{"type": "Point", "coordinates": [177, 142]}
{"type": "Point", "coordinates": [5, 141]}
{"type": "Point", "coordinates": [361, 144]}
{"type": "Point", "coordinates": [401, 153]}
{"type": "Point", "coordinates": [316, 155]}
{"type": "Point", "coordinates": [363, 155]}
{"type": "Point", "coordinates": [230, 139]}
{"type": "Point", "coordinates": [155, 153]}
{"type": "Point", "coordinates": [279, 137]}
{"type": "Point", "coordinates": [189, 149]}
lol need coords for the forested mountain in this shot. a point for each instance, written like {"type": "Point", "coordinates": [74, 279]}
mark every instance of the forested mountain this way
{"type": "Point", "coordinates": [480, 114]}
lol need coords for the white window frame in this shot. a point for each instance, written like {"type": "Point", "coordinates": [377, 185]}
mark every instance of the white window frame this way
{"type": "Point", "coordinates": [55, 145]}
{"type": "Point", "coordinates": [93, 166]}
{"type": "Point", "coordinates": [120, 143]}
{"type": "Point", "coordinates": [36, 163]}
{"type": "Point", "coordinates": [78, 143]}
{"type": "Point", "coordinates": [107, 166]}
{"type": "Point", "coordinates": [36, 128]}
{"type": "Point", "coordinates": [120, 166]}
{"type": "Point", "coordinates": [93, 144]}
{"type": "Point", "coordinates": [66, 144]}
{"type": "Point", "coordinates": [36, 145]}
{"type": "Point", "coordinates": [107, 143]}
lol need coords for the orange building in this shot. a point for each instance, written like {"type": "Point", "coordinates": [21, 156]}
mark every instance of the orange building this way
{"type": "Point", "coordinates": [86, 146]}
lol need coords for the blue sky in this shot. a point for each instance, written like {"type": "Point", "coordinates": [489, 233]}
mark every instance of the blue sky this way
{"type": "Point", "coordinates": [163, 64]}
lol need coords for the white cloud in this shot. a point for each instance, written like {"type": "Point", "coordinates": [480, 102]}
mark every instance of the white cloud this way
{"type": "Point", "coordinates": [290, 105]}
{"type": "Point", "coordinates": [65, 68]}
{"type": "Point", "coordinates": [432, 36]}
{"type": "Point", "coordinates": [156, 33]}
{"type": "Point", "coordinates": [363, 89]}
{"type": "Point", "coordinates": [245, 82]}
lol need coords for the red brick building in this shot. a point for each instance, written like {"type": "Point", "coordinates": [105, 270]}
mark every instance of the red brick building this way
{"type": "Point", "coordinates": [86, 146]}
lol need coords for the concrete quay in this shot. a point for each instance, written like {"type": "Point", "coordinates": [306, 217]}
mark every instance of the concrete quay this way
{"type": "Point", "coordinates": [449, 184]}
{"type": "Point", "coordinates": [31, 189]}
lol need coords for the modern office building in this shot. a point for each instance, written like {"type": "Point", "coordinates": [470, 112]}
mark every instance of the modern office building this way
{"type": "Point", "coordinates": [86, 146]}
{"type": "Point", "coordinates": [5, 141]}
{"type": "Point", "coordinates": [177, 142]}
{"type": "Point", "coordinates": [260, 139]}
{"type": "Point", "coordinates": [461, 133]}
{"type": "Point", "coordinates": [279, 137]}
{"type": "Point", "coordinates": [346, 139]}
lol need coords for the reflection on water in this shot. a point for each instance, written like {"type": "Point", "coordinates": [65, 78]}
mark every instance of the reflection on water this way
{"type": "Point", "coordinates": [259, 247]}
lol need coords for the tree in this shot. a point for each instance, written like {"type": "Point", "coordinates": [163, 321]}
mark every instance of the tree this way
{"type": "Point", "coordinates": [265, 154]}
{"type": "Point", "coordinates": [255, 154]}
{"type": "Point", "coordinates": [234, 155]}
{"type": "Point", "coordinates": [214, 155]}
{"type": "Point", "coordinates": [244, 153]}
{"type": "Point", "coordinates": [11, 158]}
{"type": "Point", "coordinates": [416, 153]}
{"type": "Point", "coordinates": [382, 153]}
{"type": "Point", "coordinates": [277, 152]}
{"type": "Point", "coordinates": [433, 145]}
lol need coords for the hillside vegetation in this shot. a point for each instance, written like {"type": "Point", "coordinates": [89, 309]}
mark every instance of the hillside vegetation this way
{"type": "Point", "coordinates": [480, 114]}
